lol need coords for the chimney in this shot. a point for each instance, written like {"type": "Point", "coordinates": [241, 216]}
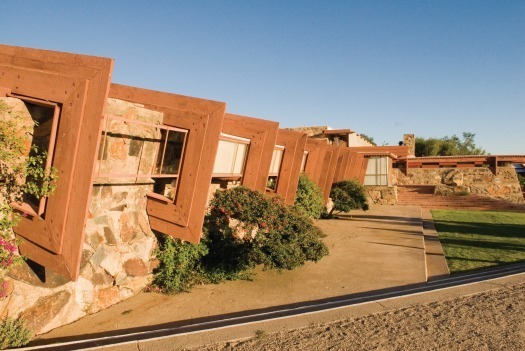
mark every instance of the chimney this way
{"type": "Point", "coordinates": [410, 141]}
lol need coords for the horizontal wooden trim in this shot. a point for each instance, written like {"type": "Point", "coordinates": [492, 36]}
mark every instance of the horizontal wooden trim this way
{"type": "Point", "coordinates": [159, 197]}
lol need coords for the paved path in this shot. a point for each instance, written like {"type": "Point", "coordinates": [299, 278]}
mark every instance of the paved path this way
{"type": "Point", "coordinates": [373, 250]}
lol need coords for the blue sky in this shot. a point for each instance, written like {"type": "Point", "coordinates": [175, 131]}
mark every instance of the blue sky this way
{"type": "Point", "coordinates": [383, 68]}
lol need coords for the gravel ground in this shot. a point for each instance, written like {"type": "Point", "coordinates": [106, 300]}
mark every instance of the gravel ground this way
{"type": "Point", "coordinates": [492, 320]}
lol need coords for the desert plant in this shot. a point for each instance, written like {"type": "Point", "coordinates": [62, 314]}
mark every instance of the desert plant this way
{"type": "Point", "coordinates": [13, 333]}
{"type": "Point", "coordinates": [243, 229]}
{"type": "Point", "coordinates": [179, 264]}
{"type": "Point", "coordinates": [348, 195]}
{"type": "Point", "coordinates": [309, 197]}
{"type": "Point", "coordinates": [22, 172]}
{"type": "Point", "coordinates": [265, 231]}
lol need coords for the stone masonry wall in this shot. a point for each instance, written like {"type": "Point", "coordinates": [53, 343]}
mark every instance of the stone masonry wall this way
{"type": "Point", "coordinates": [117, 254]}
{"type": "Point", "coordinates": [382, 195]}
{"type": "Point", "coordinates": [476, 181]}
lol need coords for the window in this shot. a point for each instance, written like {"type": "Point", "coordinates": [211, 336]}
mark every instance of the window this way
{"type": "Point", "coordinates": [66, 94]}
{"type": "Point", "coordinates": [304, 160]}
{"type": "Point", "coordinates": [126, 152]}
{"type": "Point", "coordinates": [201, 121]}
{"type": "Point", "coordinates": [277, 158]}
{"type": "Point", "coordinates": [275, 167]}
{"type": "Point", "coordinates": [377, 171]}
{"type": "Point", "coordinates": [45, 116]}
{"type": "Point", "coordinates": [231, 157]}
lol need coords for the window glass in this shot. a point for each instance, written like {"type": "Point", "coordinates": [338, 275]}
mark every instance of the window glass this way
{"type": "Point", "coordinates": [225, 157]}
{"type": "Point", "coordinates": [303, 162]}
{"type": "Point", "coordinates": [377, 171]}
{"type": "Point", "coordinates": [230, 158]}
{"type": "Point", "coordinates": [276, 161]}
{"type": "Point", "coordinates": [173, 152]}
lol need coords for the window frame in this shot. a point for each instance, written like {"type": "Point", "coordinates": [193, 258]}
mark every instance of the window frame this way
{"type": "Point", "coordinates": [294, 145]}
{"type": "Point", "coordinates": [79, 84]}
{"type": "Point", "coordinates": [25, 207]}
{"type": "Point", "coordinates": [263, 135]}
{"type": "Point", "coordinates": [151, 174]}
{"type": "Point", "coordinates": [182, 217]}
{"type": "Point", "coordinates": [376, 175]}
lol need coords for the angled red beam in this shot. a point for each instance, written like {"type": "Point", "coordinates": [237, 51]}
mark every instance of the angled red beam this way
{"type": "Point", "coordinates": [294, 145]}
{"type": "Point", "coordinates": [342, 164]}
{"type": "Point", "coordinates": [328, 167]}
{"type": "Point", "coordinates": [316, 150]}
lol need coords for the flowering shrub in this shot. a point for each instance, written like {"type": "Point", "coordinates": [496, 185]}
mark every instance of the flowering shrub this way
{"type": "Point", "coordinates": [22, 171]}
{"type": "Point", "coordinates": [243, 229]}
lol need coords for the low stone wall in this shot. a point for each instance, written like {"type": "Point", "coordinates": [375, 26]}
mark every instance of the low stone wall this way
{"type": "Point", "coordinates": [382, 195]}
{"type": "Point", "coordinates": [117, 254]}
{"type": "Point", "coordinates": [478, 181]}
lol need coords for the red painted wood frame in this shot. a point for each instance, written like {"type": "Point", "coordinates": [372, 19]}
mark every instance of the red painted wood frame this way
{"type": "Point", "coordinates": [327, 169]}
{"type": "Point", "coordinates": [79, 85]}
{"type": "Point", "coordinates": [343, 162]}
{"type": "Point", "coordinates": [183, 217]}
{"type": "Point", "coordinates": [262, 135]}
{"type": "Point", "coordinates": [355, 165]}
{"type": "Point", "coordinates": [316, 151]}
{"type": "Point", "coordinates": [398, 151]}
{"type": "Point", "coordinates": [294, 145]}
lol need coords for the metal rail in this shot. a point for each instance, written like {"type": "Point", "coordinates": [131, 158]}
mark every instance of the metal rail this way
{"type": "Point", "coordinates": [285, 311]}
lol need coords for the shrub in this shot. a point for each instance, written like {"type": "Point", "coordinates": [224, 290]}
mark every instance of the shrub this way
{"type": "Point", "coordinates": [20, 175]}
{"type": "Point", "coordinates": [265, 231]}
{"type": "Point", "coordinates": [243, 229]}
{"type": "Point", "coordinates": [179, 264]}
{"type": "Point", "coordinates": [309, 198]}
{"type": "Point", "coordinates": [348, 195]}
{"type": "Point", "coordinates": [13, 333]}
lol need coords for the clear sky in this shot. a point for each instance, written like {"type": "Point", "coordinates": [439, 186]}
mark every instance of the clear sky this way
{"type": "Point", "coordinates": [383, 68]}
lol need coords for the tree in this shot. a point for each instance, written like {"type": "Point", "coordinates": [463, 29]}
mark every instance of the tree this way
{"type": "Point", "coordinates": [448, 146]}
{"type": "Point", "coordinates": [348, 195]}
{"type": "Point", "coordinates": [369, 139]}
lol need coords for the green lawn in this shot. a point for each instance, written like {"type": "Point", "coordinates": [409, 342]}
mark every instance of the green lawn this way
{"type": "Point", "coordinates": [478, 239]}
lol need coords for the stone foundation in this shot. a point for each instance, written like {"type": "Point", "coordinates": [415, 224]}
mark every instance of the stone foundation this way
{"type": "Point", "coordinates": [117, 254]}
{"type": "Point", "coordinates": [477, 181]}
{"type": "Point", "coordinates": [382, 195]}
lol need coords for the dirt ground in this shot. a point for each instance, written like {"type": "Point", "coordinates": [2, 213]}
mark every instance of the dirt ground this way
{"type": "Point", "coordinates": [491, 320]}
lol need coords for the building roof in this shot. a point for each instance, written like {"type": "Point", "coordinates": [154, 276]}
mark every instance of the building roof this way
{"type": "Point", "coordinates": [337, 131]}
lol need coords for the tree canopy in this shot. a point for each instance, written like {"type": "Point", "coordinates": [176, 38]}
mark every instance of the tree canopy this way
{"type": "Point", "coordinates": [448, 146]}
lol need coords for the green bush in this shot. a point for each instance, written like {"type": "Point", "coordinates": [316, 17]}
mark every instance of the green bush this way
{"type": "Point", "coordinates": [285, 238]}
{"type": "Point", "coordinates": [13, 333]}
{"type": "Point", "coordinates": [243, 229]}
{"type": "Point", "coordinates": [179, 264]}
{"type": "Point", "coordinates": [309, 198]}
{"type": "Point", "coordinates": [348, 195]}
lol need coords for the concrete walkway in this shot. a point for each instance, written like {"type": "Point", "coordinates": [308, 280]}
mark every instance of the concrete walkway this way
{"type": "Point", "coordinates": [378, 249]}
